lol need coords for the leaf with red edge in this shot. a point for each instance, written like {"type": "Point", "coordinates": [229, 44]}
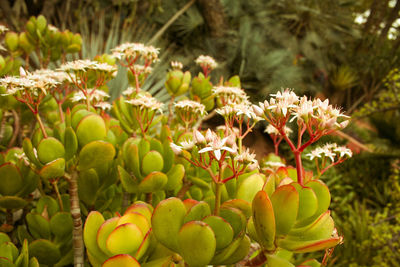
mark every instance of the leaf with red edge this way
{"type": "Point", "coordinates": [309, 246]}
{"type": "Point", "coordinates": [122, 260]}
{"type": "Point", "coordinates": [285, 201]}
{"type": "Point", "coordinates": [264, 219]}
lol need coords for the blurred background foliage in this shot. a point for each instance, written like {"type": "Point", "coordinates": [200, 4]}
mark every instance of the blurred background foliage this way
{"type": "Point", "coordinates": [344, 50]}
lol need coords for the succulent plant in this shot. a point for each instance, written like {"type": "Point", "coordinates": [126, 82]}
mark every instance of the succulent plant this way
{"type": "Point", "coordinates": [149, 167]}
{"type": "Point", "coordinates": [49, 231]}
{"type": "Point", "coordinates": [177, 82]}
{"type": "Point", "coordinates": [118, 240]}
{"type": "Point", "coordinates": [10, 256]}
{"type": "Point", "coordinates": [189, 229]}
{"type": "Point", "coordinates": [201, 90]}
{"type": "Point", "coordinates": [17, 180]}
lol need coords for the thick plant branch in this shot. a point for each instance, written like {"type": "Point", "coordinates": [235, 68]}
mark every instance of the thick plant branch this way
{"type": "Point", "coordinates": [78, 245]}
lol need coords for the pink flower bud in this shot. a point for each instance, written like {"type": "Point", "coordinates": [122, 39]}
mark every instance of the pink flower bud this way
{"type": "Point", "coordinates": [198, 137]}
{"type": "Point", "coordinates": [257, 110]}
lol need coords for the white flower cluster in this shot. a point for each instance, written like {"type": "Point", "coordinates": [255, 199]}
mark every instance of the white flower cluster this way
{"type": "Point", "coordinates": [134, 50]}
{"type": "Point", "coordinates": [206, 62]}
{"type": "Point", "coordinates": [330, 151]}
{"type": "Point", "coordinates": [246, 157]}
{"type": "Point", "coordinates": [33, 82]}
{"type": "Point", "coordinates": [210, 142]}
{"type": "Point", "coordinates": [316, 113]}
{"type": "Point", "coordinates": [241, 109]}
{"type": "Point", "coordinates": [146, 102]}
{"type": "Point", "coordinates": [190, 106]}
{"type": "Point", "coordinates": [82, 65]}
{"type": "Point", "coordinates": [142, 69]}
{"type": "Point", "coordinates": [94, 95]}
{"type": "Point", "coordinates": [230, 95]}
{"type": "Point", "coordinates": [59, 76]}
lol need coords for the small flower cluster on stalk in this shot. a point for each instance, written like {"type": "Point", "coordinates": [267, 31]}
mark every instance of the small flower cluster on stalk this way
{"type": "Point", "coordinates": [207, 64]}
{"type": "Point", "coordinates": [137, 58]}
{"type": "Point", "coordinates": [89, 76]}
{"type": "Point", "coordinates": [188, 112]}
{"type": "Point", "coordinates": [336, 154]}
{"type": "Point", "coordinates": [315, 117]}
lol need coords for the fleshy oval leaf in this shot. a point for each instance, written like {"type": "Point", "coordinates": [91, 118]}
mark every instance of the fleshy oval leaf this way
{"type": "Point", "coordinates": [197, 243]}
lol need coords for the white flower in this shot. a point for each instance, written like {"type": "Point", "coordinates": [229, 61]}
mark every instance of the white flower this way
{"type": "Point", "coordinates": [246, 157]}
{"type": "Point", "coordinates": [85, 65]}
{"type": "Point", "coordinates": [224, 129]}
{"type": "Point", "coordinates": [274, 164]}
{"type": "Point", "coordinates": [304, 110]}
{"type": "Point", "coordinates": [134, 50]}
{"type": "Point", "coordinates": [191, 106]}
{"type": "Point", "coordinates": [142, 69]}
{"type": "Point", "coordinates": [103, 105]}
{"type": "Point", "coordinates": [245, 109]}
{"type": "Point", "coordinates": [176, 65]}
{"type": "Point", "coordinates": [187, 144]}
{"type": "Point", "coordinates": [52, 28]}
{"type": "Point", "coordinates": [146, 102]}
{"type": "Point", "coordinates": [210, 135]}
{"type": "Point", "coordinates": [33, 82]}
{"type": "Point", "coordinates": [258, 110]}
{"type": "Point", "coordinates": [3, 29]}
{"type": "Point", "coordinates": [175, 148]}
{"type": "Point", "coordinates": [230, 94]}
{"type": "Point", "coordinates": [198, 137]}
{"type": "Point", "coordinates": [328, 116]}
{"type": "Point", "coordinates": [216, 145]}
{"type": "Point", "coordinates": [283, 102]}
{"type": "Point", "coordinates": [270, 129]}
{"type": "Point", "coordinates": [94, 95]}
{"type": "Point", "coordinates": [59, 76]}
{"type": "Point", "coordinates": [206, 61]}
{"type": "Point", "coordinates": [343, 151]}
{"type": "Point", "coordinates": [130, 90]}
{"type": "Point", "coordinates": [226, 111]}
{"type": "Point", "coordinates": [328, 150]}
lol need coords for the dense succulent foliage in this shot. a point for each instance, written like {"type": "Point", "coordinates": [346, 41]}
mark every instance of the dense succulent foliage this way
{"type": "Point", "coordinates": [137, 182]}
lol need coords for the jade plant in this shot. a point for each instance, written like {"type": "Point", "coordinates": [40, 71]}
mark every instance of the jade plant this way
{"type": "Point", "coordinates": [151, 185]}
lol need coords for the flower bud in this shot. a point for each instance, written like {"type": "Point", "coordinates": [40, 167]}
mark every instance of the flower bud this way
{"type": "Point", "coordinates": [258, 111]}
{"type": "Point", "coordinates": [198, 137]}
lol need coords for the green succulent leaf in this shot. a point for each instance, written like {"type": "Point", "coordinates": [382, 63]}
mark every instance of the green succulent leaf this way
{"type": "Point", "coordinates": [45, 251]}
{"type": "Point", "coordinates": [264, 219]}
{"type": "Point", "coordinates": [38, 226]}
{"type": "Point", "coordinates": [197, 212]}
{"type": "Point", "coordinates": [153, 182]}
{"type": "Point", "coordinates": [122, 260]}
{"type": "Point", "coordinates": [249, 187]}
{"type": "Point", "coordinates": [196, 241]}
{"type": "Point", "coordinates": [167, 220]}
{"type": "Point", "coordinates": [10, 179]}
{"type": "Point", "coordinates": [53, 169]}
{"type": "Point", "coordinates": [91, 128]}
{"type": "Point", "coordinates": [50, 149]}
{"type": "Point", "coordinates": [152, 162]}
{"type": "Point", "coordinates": [285, 201]}
{"type": "Point", "coordinates": [96, 154]}
{"type": "Point", "coordinates": [222, 229]}
{"type": "Point", "coordinates": [92, 225]}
